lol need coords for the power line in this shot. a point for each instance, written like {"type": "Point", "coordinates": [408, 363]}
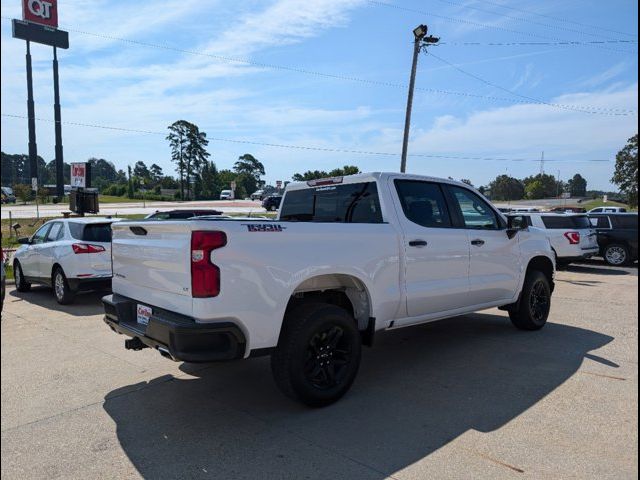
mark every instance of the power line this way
{"type": "Point", "coordinates": [557, 19]}
{"type": "Point", "coordinates": [480, 25]}
{"type": "Point", "coordinates": [327, 75]}
{"type": "Point", "coordinates": [306, 147]}
{"type": "Point", "coordinates": [590, 110]}
{"type": "Point", "coordinates": [521, 19]}
{"type": "Point", "coordinates": [559, 43]}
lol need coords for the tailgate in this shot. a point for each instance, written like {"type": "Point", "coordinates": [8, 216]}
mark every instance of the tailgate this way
{"type": "Point", "coordinates": [152, 263]}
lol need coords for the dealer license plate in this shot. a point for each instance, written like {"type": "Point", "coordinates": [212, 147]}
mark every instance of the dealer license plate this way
{"type": "Point", "coordinates": [143, 314]}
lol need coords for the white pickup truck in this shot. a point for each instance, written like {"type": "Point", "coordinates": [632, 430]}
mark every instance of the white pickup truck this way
{"type": "Point", "coordinates": [346, 257]}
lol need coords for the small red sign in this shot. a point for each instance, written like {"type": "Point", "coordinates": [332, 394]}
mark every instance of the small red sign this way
{"type": "Point", "coordinates": [43, 12]}
{"type": "Point", "coordinates": [78, 174]}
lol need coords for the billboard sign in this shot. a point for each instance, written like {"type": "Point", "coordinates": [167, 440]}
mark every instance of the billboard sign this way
{"type": "Point", "coordinates": [43, 12]}
{"type": "Point", "coordinates": [78, 175]}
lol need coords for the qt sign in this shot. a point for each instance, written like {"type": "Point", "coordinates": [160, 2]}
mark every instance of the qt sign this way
{"type": "Point", "coordinates": [43, 12]}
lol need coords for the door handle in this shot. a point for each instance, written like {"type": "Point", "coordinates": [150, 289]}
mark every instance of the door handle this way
{"type": "Point", "coordinates": [477, 242]}
{"type": "Point", "coordinates": [418, 243]}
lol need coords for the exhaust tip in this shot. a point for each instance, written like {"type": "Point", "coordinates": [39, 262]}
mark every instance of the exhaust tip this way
{"type": "Point", "coordinates": [165, 353]}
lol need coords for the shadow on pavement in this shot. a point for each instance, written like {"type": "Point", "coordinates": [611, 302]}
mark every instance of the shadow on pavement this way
{"type": "Point", "coordinates": [599, 269]}
{"type": "Point", "coordinates": [84, 304]}
{"type": "Point", "coordinates": [417, 390]}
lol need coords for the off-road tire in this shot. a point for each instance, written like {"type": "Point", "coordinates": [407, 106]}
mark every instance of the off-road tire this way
{"type": "Point", "coordinates": [535, 302]}
{"type": "Point", "coordinates": [318, 354]}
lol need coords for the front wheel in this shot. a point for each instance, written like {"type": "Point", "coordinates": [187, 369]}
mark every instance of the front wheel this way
{"type": "Point", "coordinates": [318, 354]}
{"type": "Point", "coordinates": [62, 291]}
{"type": "Point", "coordinates": [616, 255]}
{"type": "Point", "coordinates": [535, 302]}
{"type": "Point", "coordinates": [21, 284]}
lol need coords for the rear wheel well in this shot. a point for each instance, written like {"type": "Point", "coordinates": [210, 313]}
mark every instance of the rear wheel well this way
{"type": "Point", "coordinates": [344, 291]}
{"type": "Point", "coordinates": [332, 297]}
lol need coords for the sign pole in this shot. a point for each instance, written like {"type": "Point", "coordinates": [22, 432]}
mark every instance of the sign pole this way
{"type": "Point", "coordinates": [58, 127]}
{"type": "Point", "coordinates": [33, 148]}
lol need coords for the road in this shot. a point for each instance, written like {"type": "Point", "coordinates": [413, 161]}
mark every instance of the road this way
{"type": "Point", "coordinates": [55, 210]}
{"type": "Point", "coordinates": [469, 397]}
{"type": "Point", "coordinates": [545, 203]}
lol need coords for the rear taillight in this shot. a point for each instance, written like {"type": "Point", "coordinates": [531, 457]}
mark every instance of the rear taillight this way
{"type": "Point", "coordinates": [86, 248]}
{"type": "Point", "coordinates": [205, 276]}
{"type": "Point", "coordinates": [573, 237]}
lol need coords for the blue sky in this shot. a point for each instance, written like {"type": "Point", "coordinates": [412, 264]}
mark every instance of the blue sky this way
{"type": "Point", "coordinates": [110, 82]}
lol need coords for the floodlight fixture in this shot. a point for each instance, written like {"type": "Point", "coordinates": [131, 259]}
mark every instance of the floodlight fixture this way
{"type": "Point", "coordinates": [420, 31]}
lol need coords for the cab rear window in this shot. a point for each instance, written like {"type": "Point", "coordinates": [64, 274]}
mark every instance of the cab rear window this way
{"type": "Point", "coordinates": [347, 203]}
{"type": "Point", "coordinates": [573, 221]}
{"type": "Point", "coordinates": [92, 232]}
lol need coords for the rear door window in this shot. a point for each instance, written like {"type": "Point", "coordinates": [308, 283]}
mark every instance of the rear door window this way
{"type": "Point", "coordinates": [349, 203]}
{"type": "Point", "coordinates": [55, 233]}
{"type": "Point", "coordinates": [423, 203]}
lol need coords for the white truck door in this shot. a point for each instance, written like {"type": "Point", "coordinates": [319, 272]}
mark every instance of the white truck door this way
{"type": "Point", "coordinates": [436, 253]}
{"type": "Point", "coordinates": [495, 265]}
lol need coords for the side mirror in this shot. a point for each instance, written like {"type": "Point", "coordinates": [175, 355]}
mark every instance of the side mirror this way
{"type": "Point", "coordinates": [515, 223]}
{"type": "Point", "coordinates": [24, 241]}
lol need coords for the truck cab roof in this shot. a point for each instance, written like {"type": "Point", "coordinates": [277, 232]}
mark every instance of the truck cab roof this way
{"type": "Point", "coordinates": [368, 177]}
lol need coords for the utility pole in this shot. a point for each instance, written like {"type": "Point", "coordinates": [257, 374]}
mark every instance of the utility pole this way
{"type": "Point", "coordinates": [58, 127]}
{"type": "Point", "coordinates": [420, 41]}
{"type": "Point", "coordinates": [558, 184]}
{"type": "Point", "coordinates": [31, 119]}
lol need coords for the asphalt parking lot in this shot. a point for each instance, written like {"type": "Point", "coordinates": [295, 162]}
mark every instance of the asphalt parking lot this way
{"type": "Point", "coordinates": [469, 397]}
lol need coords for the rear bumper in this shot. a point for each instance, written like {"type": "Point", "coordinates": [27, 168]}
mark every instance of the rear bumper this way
{"type": "Point", "coordinates": [89, 283]}
{"type": "Point", "coordinates": [583, 254]}
{"type": "Point", "coordinates": [177, 336]}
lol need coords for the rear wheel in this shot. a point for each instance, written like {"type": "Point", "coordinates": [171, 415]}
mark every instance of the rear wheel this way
{"type": "Point", "coordinates": [21, 284]}
{"type": "Point", "coordinates": [64, 295]}
{"type": "Point", "coordinates": [616, 255]}
{"type": "Point", "coordinates": [318, 354]}
{"type": "Point", "coordinates": [535, 302]}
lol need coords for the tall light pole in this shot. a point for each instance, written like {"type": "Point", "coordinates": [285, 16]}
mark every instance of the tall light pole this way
{"type": "Point", "coordinates": [420, 40]}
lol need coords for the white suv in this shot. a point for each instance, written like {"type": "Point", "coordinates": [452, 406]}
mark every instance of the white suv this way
{"type": "Point", "coordinates": [70, 255]}
{"type": "Point", "coordinates": [572, 236]}
{"type": "Point", "coordinates": [608, 210]}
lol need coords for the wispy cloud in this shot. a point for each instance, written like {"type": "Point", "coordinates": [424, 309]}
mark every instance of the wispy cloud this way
{"type": "Point", "coordinates": [604, 76]}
